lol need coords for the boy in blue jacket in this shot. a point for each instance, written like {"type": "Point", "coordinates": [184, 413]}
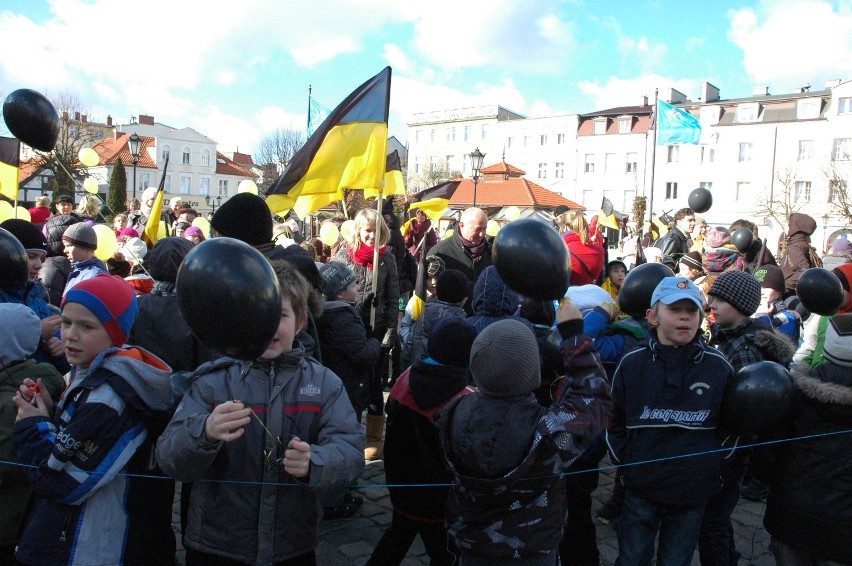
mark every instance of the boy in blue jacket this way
{"type": "Point", "coordinates": [667, 396]}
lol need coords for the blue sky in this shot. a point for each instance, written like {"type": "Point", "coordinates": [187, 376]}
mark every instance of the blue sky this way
{"type": "Point", "coordinates": [235, 71]}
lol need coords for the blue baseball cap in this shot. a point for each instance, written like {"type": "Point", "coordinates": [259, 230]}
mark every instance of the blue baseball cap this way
{"type": "Point", "coordinates": [673, 289]}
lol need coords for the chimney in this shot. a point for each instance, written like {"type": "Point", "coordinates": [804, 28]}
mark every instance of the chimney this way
{"type": "Point", "coordinates": [644, 101]}
{"type": "Point", "coordinates": [77, 116]}
{"type": "Point", "coordinates": [760, 91]}
{"type": "Point", "coordinates": [84, 118]}
{"type": "Point", "coordinates": [676, 96]}
{"type": "Point", "coordinates": [109, 120]}
{"type": "Point", "coordinates": [709, 93]}
{"type": "Point", "coordinates": [145, 119]}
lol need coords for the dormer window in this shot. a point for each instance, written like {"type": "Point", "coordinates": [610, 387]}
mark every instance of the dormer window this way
{"type": "Point", "coordinates": [624, 125]}
{"type": "Point", "coordinates": [748, 112]}
{"type": "Point", "coordinates": [600, 126]}
{"type": "Point", "coordinates": [710, 115]}
{"type": "Point", "coordinates": [808, 108]}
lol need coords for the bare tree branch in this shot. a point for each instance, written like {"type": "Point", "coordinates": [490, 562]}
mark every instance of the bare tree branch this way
{"type": "Point", "coordinates": [782, 202]}
{"type": "Point", "coordinates": [275, 151]}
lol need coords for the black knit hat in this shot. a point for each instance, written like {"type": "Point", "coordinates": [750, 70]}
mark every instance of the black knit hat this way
{"type": "Point", "coordinates": [693, 261]}
{"type": "Point", "coordinates": [450, 341]}
{"type": "Point", "coordinates": [166, 256]}
{"type": "Point", "coordinates": [504, 359]}
{"type": "Point", "coordinates": [245, 217]}
{"type": "Point", "coordinates": [739, 289]}
{"type": "Point", "coordinates": [27, 233]}
{"type": "Point", "coordinates": [770, 277]}
{"type": "Point", "coordinates": [452, 286]}
{"type": "Point", "coordinates": [337, 278]}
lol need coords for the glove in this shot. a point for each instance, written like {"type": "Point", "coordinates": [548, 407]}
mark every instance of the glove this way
{"type": "Point", "coordinates": [610, 309]}
{"type": "Point", "coordinates": [390, 339]}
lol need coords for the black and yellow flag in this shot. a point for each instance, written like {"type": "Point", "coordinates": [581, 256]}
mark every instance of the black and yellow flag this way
{"type": "Point", "coordinates": [434, 200]}
{"type": "Point", "coordinates": [608, 216]}
{"type": "Point", "coordinates": [394, 183]}
{"type": "Point", "coordinates": [10, 160]}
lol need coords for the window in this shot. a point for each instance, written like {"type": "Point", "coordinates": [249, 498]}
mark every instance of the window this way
{"type": "Point", "coordinates": [526, 141]}
{"type": "Point", "coordinates": [624, 125]}
{"type": "Point", "coordinates": [706, 185]}
{"type": "Point", "coordinates": [417, 136]}
{"type": "Point", "coordinates": [448, 133]}
{"type": "Point", "coordinates": [745, 152]}
{"type": "Point", "coordinates": [185, 155]}
{"type": "Point", "coordinates": [806, 149]}
{"type": "Point", "coordinates": [560, 138]}
{"type": "Point", "coordinates": [632, 164]}
{"type": "Point", "coordinates": [484, 131]}
{"type": "Point", "coordinates": [418, 161]}
{"type": "Point", "coordinates": [629, 196]}
{"type": "Point", "coordinates": [835, 189]}
{"type": "Point", "coordinates": [542, 170]}
{"type": "Point", "coordinates": [543, 140]}
{"type": "Point", "coordinates": [509, 141]}
{"type": "Point", "coordinates": [708, 154]}
{"type": "Point", "coordinates": [223, 187]}
{"type": "Point", "coordinates": [451, 160]}
{"type": "Point", "coordinates": [168, 184]}
{"type": "Point", "coordinates": [609, 163]}
{"type": "Point", "coordinates": [588, 198]}
{"type": "Point", "coordinates": [600, 127]}
{"type": "Point", "coordinates": [840, 149]}
{"type": "Point", "coordinates": [590, 163]}
{"type": "Point", "coordinates": [671, 191]}
{"type": "Point", "coordinates": [742, 189]}
{"type": "Point", "coordinates": [144, 180]}
{"type": "Point", "coordinates": [185, 184]}
{"type": "Point", "coordinates": [74, 132]}
{"type": "Point", "coordinates": [673, 153]}
{"type": "Point", "coordinates": [803, 191]}
{"type": "Point", "coordinates": [433, 161]}
{"type": "Point", "coordinates": [747, 112]}
{"type": "Point", "coordinates": [432, 135]}
{"type": "Point", "coordinates": [167, 150]}
{"type": "Point", "coordinates": [844, 105]}
{"type": "Point", "coordinates": [808, 109]}
{"type": "Point", "coordinates": [467, 132]}
{"type": "Point", "coordinates": [559, 170]}
{"type": "Point", "coordinates": [205, 158]}
{"type": "Point", "coordinates": [204, 186]}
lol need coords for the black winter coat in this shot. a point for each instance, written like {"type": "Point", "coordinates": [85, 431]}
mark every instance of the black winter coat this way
{"type": "Point", "coordinates": [455, 256]}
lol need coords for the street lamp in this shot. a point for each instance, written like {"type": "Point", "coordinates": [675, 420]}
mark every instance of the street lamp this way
{"type": "Point", "coordinates": [476, 158]}
{"type": "Point", "coordinates": [825, 219]}
{"type": "Point", "coordinates": [134, 142]}
{"type": "Point", "coordinates": [213, 202]}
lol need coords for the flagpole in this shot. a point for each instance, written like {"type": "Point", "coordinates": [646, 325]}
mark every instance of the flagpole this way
{"type": "Point", "coordinates": [653, 158]}
{"type": "Point", "coordinates": [376, 247]}
{"type": "Point", "coordinates": [309, 109]}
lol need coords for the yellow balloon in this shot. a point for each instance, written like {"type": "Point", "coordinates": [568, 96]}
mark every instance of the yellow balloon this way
{"type": "Point", "coordinates": [512, 213]}
{"type": "Point", "coordinates": [6, 211]}
{"type": "Point", "coordinates": [90, 185]}
{"type": "Point", "coordinates": [492, 228]}
{"type": "Point", "coordinates": [22, 213]}
{"type": "Point", "coordinates": [88, 157]}
{"type": "Point", "coordinates": [106, 241]}
{"type": "Point", "coordinates": [329, 233]}
{"type": "Point", "coordinates": [247, 186]}
{"type": "Point", "coordinates": [347, 229]}
{"type": "Point", "coordinates": [203, 224]}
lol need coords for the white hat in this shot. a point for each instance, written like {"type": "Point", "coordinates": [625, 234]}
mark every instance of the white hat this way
{"type": "Point", "coordinates": [133, 250]}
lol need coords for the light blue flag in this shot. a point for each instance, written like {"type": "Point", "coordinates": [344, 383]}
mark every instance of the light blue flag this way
{"type": "Point", "coordinates": [674, 126]}
{"type": "Point", "coordinates": [318, 113]}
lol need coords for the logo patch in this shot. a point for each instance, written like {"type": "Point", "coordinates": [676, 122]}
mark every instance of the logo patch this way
{"type": "Point", "coordinates": [683, 284]}
{"type": "Point", "coordinates": [310, 390]}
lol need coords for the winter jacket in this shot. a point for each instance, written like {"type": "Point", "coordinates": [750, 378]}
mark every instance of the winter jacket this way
{"type": "Point", "coordinates": [14, 488]}
{"type": "Point", "coordinates": [84, 270]}
{"type": "Point", "coordinates": [54, 274]}
{"type": "Point", "coordinates": [673, 243]}
{"type": "Point", "coordinates": [34, 295]}
{"type": "Point", "coordinates": [257, 513]}
{"type": "Point", "coordinates": [786, 322]}
{"type": "Point", "coordinates": [397, 246]}
{"type": "Point", "coordinates": [589, 255]}
{"type": "Point", "coordinates": [386, 292]}
{"type": "Point", "coordinates": [416, 232]}
{"type": "Point", "coordinates": [505, 456]}
{"type": "Point", "coordinates": [752, 341]}
{"type": "Point", "coordinates": [719, 260]}
{"type": "Point", "coordinates": [494, 300]}
{"type": "Point", "coordinates": [88, 509]}
{"type": "Point", "coordinates": [830, 261]}
{"type": "Point", "coordinates": [810, 500]}
{"type": "Point", "coordinates": [613, 340]}
{"type": "Point", "coordinates": [412, 447]}
{"type": "Point", "coordinates": [414, 341]}
{"type": "Point", "coordinates": [455, 256]}
{"type": "Point", "coordinates": [347, 350]}
{"type": "Point", "coordinates": [797, 257]}
{"type": "Point", "coordinates": [667, 402]}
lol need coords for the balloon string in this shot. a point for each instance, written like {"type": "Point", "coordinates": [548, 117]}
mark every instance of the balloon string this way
{"type": "Point", "coordinates": [421, 485]}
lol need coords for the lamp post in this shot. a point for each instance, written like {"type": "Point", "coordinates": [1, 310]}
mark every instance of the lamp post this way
{"type": "Point", "coordinates": [825, 219]}
{"type": "Point", "coordinates": [134, 142]}
{"type": "Point", "coordinates": [212, 202]}
{"type": "Point", "coordinates": [476, 158]}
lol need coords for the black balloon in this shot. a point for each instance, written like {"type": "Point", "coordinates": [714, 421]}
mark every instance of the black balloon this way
{"type": "Point", "coordinates": [14, 268]}
{"type": "Point", "coordinates": [742, 238]}
{"type": "Point", "coordinates": [228, 294]}
{"type": "Point", "coordinates": [820, 291]}
{"type": "Point", "coordinates": [794, 304]}
{"type": "Point", "coordinates": [634, 297]}
{"type": "Point", "coordinates": [32, 119]}
{"type": "Point", "coordinates": [756, 400]}
{"type": "Point", "coordinates": [532, 259]}
{"type": "Point", "coordinates": [700, 200]}
{"type": "Point", "coordinates": [104, 210]}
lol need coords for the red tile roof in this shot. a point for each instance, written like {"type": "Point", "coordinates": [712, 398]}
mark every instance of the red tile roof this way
{"type": "Point", "coordinates": [515, 191]}
{"type": "Point", "coordinates": [27, 170]}
{"type": "Point", "coordinates": [502, 168]}
{"type": "Point", "coordinates": [117, 148]}
{"type": "Point", "coordinates": [226, 166]}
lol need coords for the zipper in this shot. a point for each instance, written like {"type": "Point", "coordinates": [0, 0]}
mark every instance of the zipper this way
{"type": "Point", "coordinates": [62, 535]}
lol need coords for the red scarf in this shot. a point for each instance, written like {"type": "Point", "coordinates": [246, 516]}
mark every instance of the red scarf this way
{"type": "Point", "coordinates": [364, 255]}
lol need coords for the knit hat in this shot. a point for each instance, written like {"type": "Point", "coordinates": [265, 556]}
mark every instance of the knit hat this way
{"type": "Point", "coordinates": [194, 231]}
{"type": "Point", "coordinates": [838, 340]}
{"type": "Point", "coordinates": [739, 289]}
{"type": "Point", "coordinates": [693, 261]}
{"type": "Point", "coordinates": [81, 235]}
{"type": "Point", "coordinates": [27, 233]}
{"type": "Point", "coordinates": [111, 299]}
{"type": "Point", "coordinates": [770, 277]}
{"type": "Point", "coordinates": [450, 341]}
{"type": "Point", "coordinates": [504, 359]}
{"type": "Point", "coordinates": [181, 226]}
{"type": "Point", "coordinates": [717, 237]}
{"type": "Point", "coordinates": [452, 286]}
{"type": "Point", "coordinates": [64, 198]}
{"type": "Point", "coordinates": [615, 263]}
{"type": "Point", "coordinates": [129, 232]}
{"type": "Point", "coordinates": [245, 217]}
{"type": "Point", "coordinates": [166, 256]}
{"type": "Point", "coordinates": [337, 278]}
{"type": "Point", "coordinates": [841, 246]}
{"type": "Point", "coordinates": [20, 332]}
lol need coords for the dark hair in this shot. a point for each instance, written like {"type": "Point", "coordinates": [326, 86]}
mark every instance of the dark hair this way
{"type": "Point", "coordinates": [743, 223]}
{"type": "Point", "coordinates": [683, 213]}
{"type": "Point", "coordinates": [293, 286]}
{"type": "Point", "coordinates": [615, 263]}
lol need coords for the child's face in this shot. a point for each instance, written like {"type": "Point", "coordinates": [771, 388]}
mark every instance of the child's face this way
{"type": "Point", "coordinates": [350, 293]}
{"type": "Point", "coordinates": [617, 275]}
{"type": "Point", "coordinates": [83, 335]}
{"type": "Point", "coordinates": [77, 254]}
{"type": "Point", "coordinates": [34, 262]}
{"type": "Point", "coordinates": [768, 295]}
{"type": "Point", "coordinates": [288, 327]}
{"type": "Point", "coordinates": [676, 323]}
{"type": "Point", "coordinates": [367, 234]}
{"type": "Point", "coordinates": [119, 223]}
{"type": "Point", "coordinates": [724, 312]}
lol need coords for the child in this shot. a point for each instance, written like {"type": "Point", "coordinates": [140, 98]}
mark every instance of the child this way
{"type": "Point", "coordinates": [616, 271]}
{"type": "Point", "coordinates": [271, 435]}
{"type": "Point", "coordinates": [691, 265]}
{"type": "Point", "coordinates": [87, 462]}
{"type": "Point", "coordinates": [412, 447]}
{"type": "Point", "coordinates": [733, 299]}
{"type": "Point", "coordinates": [772, 309]}
{"type": "Point", "coordinates": [20, 334]}
{"type": "Point", "coordinates": [451, 292]}
{"type": "Point", "coordinates": [667, 396]}
{"type": "Point", "coordinates": [493, 300]}
{"type": "Point", "coordinates": [80, 243]}
{"type": "Point", "coordinates": [505, 451]}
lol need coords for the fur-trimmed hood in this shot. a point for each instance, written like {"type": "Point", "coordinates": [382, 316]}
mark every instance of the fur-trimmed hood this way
{"type": "Point", "coordinates": [774, 346]}
{"type": "Point", "coordinates": [828, 383]}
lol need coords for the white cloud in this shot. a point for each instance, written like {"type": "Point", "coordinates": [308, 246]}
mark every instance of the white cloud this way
{"type": "Point", "coordinates": [630, 92]}
{"type": "Point", "coordinates": [397, 58]}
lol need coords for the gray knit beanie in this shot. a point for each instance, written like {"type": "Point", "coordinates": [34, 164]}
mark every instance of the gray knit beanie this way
{"type": "Point", "coordinates": [20, 332]}
{"type": "Point", "coordinates": [504, 360]}
{"type": "Point", "coordinates": [738, 288]}
{"type": "Point", "coordinates": [838, 340]}
{"type": "Point", "coordinates": [81, 235]}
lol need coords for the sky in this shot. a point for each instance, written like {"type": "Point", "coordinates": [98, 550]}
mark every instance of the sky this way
{"type": "Point", "coordinates": [237, 70]}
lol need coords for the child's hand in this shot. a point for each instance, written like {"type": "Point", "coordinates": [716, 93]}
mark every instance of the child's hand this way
{"type": "Point", "coordinates": [28, 390]}
{"type": "Point", "coordinates": [226, 422]}
{"type": "Point", "coordinates": [297, 458]}
{"type": "Point", "coordinates": [567, 311]}
{"type": "Point", "coordinates": [26, 408]}
{"type": "Point", "coordinates": [49, 326]}
{"type": "Point", "coordinates": [54, 347]}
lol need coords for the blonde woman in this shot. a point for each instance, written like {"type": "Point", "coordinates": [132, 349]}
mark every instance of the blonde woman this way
{"type": "Point", "coordinates": [358, 255]}
{"type": "Point", "coordinates": [88, 208]}
{"type": "Point", "coordinates": [587, 258]}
